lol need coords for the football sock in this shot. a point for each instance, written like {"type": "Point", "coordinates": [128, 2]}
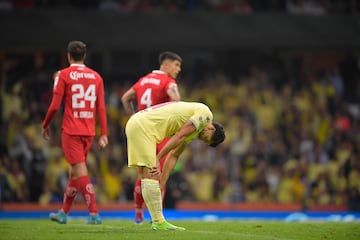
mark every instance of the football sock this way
{"type": "Point", "coordinates": [138, 198]}
{"type": "Point", "coordinates": [69, 195]}
{"type": "Point", "coordinates": [87, 190]}
{"type": "Point", "coordinates": [152, 196]}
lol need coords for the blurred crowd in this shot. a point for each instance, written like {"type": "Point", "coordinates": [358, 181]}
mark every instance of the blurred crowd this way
{"type": "Point", "coordinates": [311, 7]}
{"type": "Point", "coordinates": [292, 135]}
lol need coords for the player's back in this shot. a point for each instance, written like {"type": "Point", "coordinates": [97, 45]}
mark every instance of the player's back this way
{"type": "Point", "coordinates": [82, 88]}
{"type": "Point", "coordinates": [152, 89]}
{"type": "Point", "coordinates": [165, 119]}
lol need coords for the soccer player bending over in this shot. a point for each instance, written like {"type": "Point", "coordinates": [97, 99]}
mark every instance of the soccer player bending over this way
{"type": "Point", "coordinates": [81, 89]}
{"type": "Point", "coordinates": [156, 87]}
{"type": "Point", "coordinates": [183, 121]}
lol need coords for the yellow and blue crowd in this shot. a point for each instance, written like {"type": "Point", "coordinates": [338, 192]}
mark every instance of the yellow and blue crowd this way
{"type": "Point", "coordinates": [293, 142]}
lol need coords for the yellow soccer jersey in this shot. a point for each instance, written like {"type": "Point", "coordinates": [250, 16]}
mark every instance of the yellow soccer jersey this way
{"type": "Point", "coordinates": [165, 119]}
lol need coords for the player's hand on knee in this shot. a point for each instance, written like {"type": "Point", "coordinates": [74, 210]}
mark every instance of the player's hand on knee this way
{"type": "Point", "coordinates": [155, 172]}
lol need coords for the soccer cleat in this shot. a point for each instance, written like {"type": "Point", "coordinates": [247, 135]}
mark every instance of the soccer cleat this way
{"type": "Point", "coordinates": [166, 226]}
{"type": "Point", "coordinates": [139, 218]}
{"type": "Point", "coordinates": [94, 219]}
{"type": "Point", "coordinates": [59, 217]}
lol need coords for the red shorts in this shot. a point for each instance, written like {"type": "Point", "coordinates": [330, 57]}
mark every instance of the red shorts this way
{"type": "Point", "coordinates": [76, 148]}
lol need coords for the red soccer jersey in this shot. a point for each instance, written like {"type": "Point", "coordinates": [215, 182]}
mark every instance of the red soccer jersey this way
{"type": "Point", "coordinates": [152, 89]}
{"type": "Point", "coordinates": [82, 91]}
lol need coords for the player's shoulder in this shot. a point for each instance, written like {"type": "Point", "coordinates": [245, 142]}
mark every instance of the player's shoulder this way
{"type": "Point", "coordinates": [154, 79]}
{"type": "Point", "coordinates": [197, 105]}
{"type": "Point", "coordinates": [61, 73]}
{"type": "Point", "coordinates": [63, 70]}
{"type": "Point", "coordinates": [155, 74]}
{"type": "Point", "coordinates": [91, 70]}
{"type": "Point", "coordinates": [97, 74]}
{"type": "Point", "coordinates": [77, 72]}
{"type": "Point", "coordinates": [159, 75]}
{"type": "Point", "coordinates": [166, 80]}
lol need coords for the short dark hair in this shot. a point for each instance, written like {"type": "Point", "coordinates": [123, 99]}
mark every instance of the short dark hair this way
{"type": "Point", "coordinates": [77, 50]}
{"type": "Point", "coordinates": [219, 135]}
{"type": "Point", "coordinates": [168, 55]}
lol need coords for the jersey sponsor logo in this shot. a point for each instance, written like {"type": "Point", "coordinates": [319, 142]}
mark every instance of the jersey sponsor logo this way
{"type": "Point", "coordinates": [74, 75]}
{"type": "Point", "coordinates": [150, 81]}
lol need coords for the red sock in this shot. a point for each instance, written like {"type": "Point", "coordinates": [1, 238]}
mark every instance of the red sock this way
{"type": "Point", "coordinates": [69, 195]}
{"type": "Point", "coordinates": [138, 198]}
{"type": "Point", "coordinates": [88, 193]}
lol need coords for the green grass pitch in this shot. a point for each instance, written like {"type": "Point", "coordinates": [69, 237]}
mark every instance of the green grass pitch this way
{"type": "Point", "coordinates": [221, 230]}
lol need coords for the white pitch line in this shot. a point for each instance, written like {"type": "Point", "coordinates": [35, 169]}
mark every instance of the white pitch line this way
{"type": "Point", "coordinates": [252, 236]}
{"type": "Point", "coordinates": [241, 234]}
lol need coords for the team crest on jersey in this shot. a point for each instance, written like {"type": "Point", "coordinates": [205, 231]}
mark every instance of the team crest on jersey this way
{"type": "Point", "coordinates": [207, 119]}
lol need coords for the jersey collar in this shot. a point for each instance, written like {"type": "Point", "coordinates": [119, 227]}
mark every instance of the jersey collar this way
{"type": "Point", "coordinates": [158, 71]}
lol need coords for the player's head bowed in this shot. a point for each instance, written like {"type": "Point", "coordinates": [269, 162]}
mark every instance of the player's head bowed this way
{"type": "Point", "coordinates": [218, 136]}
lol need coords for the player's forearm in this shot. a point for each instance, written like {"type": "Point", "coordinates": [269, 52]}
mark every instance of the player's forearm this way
{"type": "Point", "coordinates": [127, 101]}
{"type": "Point", "coordinates": [103, 121]}
{"type": "Point", "coordinates": [53, 109]}
{"type": "Point", "coordinates": [103, 127]}
{"type": "Point", "coordinates": [129, 108]}
{"type": "Point", "coordinates": [49, 117]}
{"type": "Point", "coordinates": [174, 94]}
{"type": "Point", "coordinates": [173, 143]}
{"type": "Point", "coordinates": [101, 111]}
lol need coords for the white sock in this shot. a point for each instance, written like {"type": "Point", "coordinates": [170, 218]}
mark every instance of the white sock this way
{"type": "Point", "coordinates": [152, 197]}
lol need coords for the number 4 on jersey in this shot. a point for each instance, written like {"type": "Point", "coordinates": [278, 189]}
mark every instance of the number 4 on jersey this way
{"type": "Point", "coordinates": [146, 98]}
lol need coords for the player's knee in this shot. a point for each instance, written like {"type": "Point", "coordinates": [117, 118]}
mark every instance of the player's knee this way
{"type": "Point", "coordinates": [71, 191]}
{"type": "Point", "coordinates": [137, 189]}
